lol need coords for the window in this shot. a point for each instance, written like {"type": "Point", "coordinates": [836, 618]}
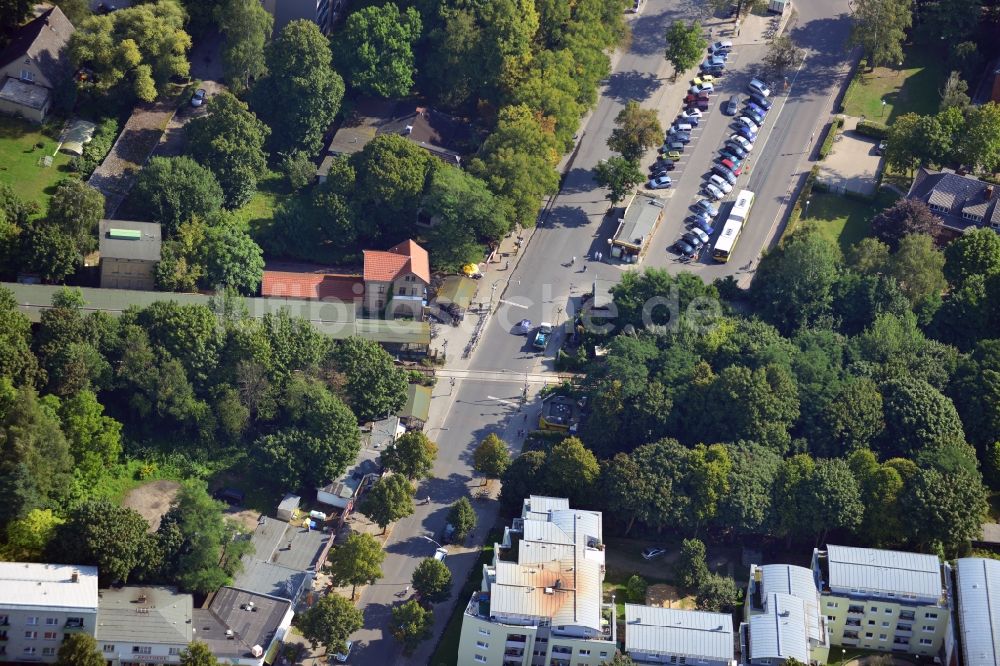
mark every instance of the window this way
{"type": "Point", "coordinates": [142, 649]}
{"type": "Point", "coordinates": [885, 624]}
{"type": "Point", "coordinates": [109, 647]}
{"type": "Point", "coordinates": [50, 635]}
{"type": "Point", "coordinates": [931, 616]}
{"type": "Point", "coordinates": [871, 623]}
{"type": "Point", "coordinates": [51, 621]}
{"type": "Point", "coordinates": [831, 604]}
{"type": "Point", "coordinates": [584, 653]}
{"type": "Point", "coordinates": [381, 289]}
{"type": "Point", "coordinates": [175, 651]}
{"type": "Point", "coordinates": [873, 609]}
{"type": "Point", "coordinates": [31, 620]}
{"type": "Point", "coordinates": [604, 654]}
{"type": "Point", "coordinates": [888, 611]}
{"type": "Point", "coordinates": [31, 635]}
{"type": "Point", "coordinates": [904, 627]}
{"type": "Point", "coordinates": [27, 75]}
{"type": "Point", "coordinates": [484, 632]}
{"type": "Point", "coordinates": [30, 650]}
{"type": "Point", "coordinates": [831, 618]}
{"type": "Point", "coordinates": [926, 641]}
{"type": "Point", "coordinates": [480, 658]}
{"type": "Point", "coordinates": [4, 621]}
{"type": "Point", "coordinates": [48, 651]}
{"type": "Point", "coordinates": [482, 645]}
{"type": "Point", "coordinates": [882, 637]}
{"type": "Point", "coordinates": [74, 622]}
{"type": "Point", "coordinates": [928, 627]}
{"type": "Point", "coordinates": [869, 634]}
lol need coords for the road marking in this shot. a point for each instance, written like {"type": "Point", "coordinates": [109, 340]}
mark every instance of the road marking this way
{"type": "Point", "coordinates": [504, 402]}
{"type": "Point", "coordinates": [516, 305]}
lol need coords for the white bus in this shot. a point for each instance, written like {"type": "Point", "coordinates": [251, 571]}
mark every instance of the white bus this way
{"type": "Point", "coordinates": [731, 231]}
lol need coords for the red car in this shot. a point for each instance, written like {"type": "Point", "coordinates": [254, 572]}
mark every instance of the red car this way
{"type": "Point", "coordinates": [700, 97]}
{"type": "Point", "coordinates": [728, 163]}
{"type": "Point", "coordinates": [701, 105]}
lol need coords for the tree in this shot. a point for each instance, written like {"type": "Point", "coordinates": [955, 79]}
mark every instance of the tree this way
{"type": "Point", "coordinates": [690, 568]}
{"type": "Point", "coordinates": [979, 145]}
{"type": "Point", "coordinates": [636, 130]}
{"type": "Point", "coordinates": [28, 537]}
{"type": "Point", "coordinates": [869, 256]}
{"type": "Point", "coordinates": [432, 580]}
{"type": "Point", "coordinates": [747, 508]}
{"type": "Point", "coordinates": [172, 190]}
{"type": "Point", "coordinates": [76, 209]}
{"type": "Point", "coordinates": [917, 416]}
{"type": "Point", "coordinates": [906, 143]}
{"type": "Point", "coordinates": [851, 420]}
{"type": "Point", "coordinates": [357, 561]}
{"type": "Point", "coordinates": [917, 267]}
{"type": "Point", "coordinates": [247, 27]}
{"type": "Point", "coordinates": [231, 257]}
{"type": "Point", "coordinates": [194, 532]}
{"type": "Point", "coordinates": [411, 625]}
{"type": "Point", "coordinates": [491, 458]}
{"type": "Point", "coordinates": [949, 21]}
{"type": "Point", "coordinates": [330, 622]}
{"type": "Point", "coordinates": [621, 660]}
{"type": "Point", "coordinates": [619, 175]}
{"type": "Point", "coordinates": [905, 217]}
{"type": "Point", "coordinates": [619, 478]}
{"type": "Point", "coordinates": [833, 498]}
{"type": "Point", "coordinates": [94, 439]}
{"type": "Point", "coordinates": [718, 593]}
{"type": "Point", "coordinates": [17, 362]}
{"type": "Point", "coordinates": [635, 589]}
{"type": "Point", "coordinates": [48, 251]}
{"type": "Point", "coordinates": [948, 508]}
{"type": "Point", "coordinates": [975, 391]}
{"type": "Point", "coordinates": [375, 49]}
{"type": "Point", "coordinates": [230, 140]}
{"type": "Point", "coordinates": [374, 386]}
{"type": "Point", "coordinates": [685, 45]}
{"type": "Point", "coordinates": [79, 649]}
{"type": "Point", "coordinates": [954, 93]}
{"type": "Point", "coordinates": [640, 298]}
{"type": "Point", "coordinates": [412, 455]}
{"type": "Point", "coordinates": [571, 470]}
{"type": "Point", "coordinates": [880, 28]}
{"type": "Point", "coordinates": [13, 13]}
{"type": "Point", "coordinates": [976, 252]}
{"type": "Point", "coordinates": [298, 169]}
{"type": "Point", "coordinates": [783, 55]}
{"type": "Point", "coordinates": [390, 499]}
{"type": "Point", "coordinates": [198, 653]}
{"type": "Point", "coordinates": [463, 518]}
{"type": "Point", "coordinates": [301, 93]}
{"type": "Point", "coordinates": [98, 532]}
{"type": "Point", "coordinates": [523, 477]}
{"type": "Point", "coordinates": [135, 50]}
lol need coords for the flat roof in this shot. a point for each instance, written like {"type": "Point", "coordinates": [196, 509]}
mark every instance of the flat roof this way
{"type": "Point", "coordinates": [602, 294]}
{"type": "Point", "coordinates": [24, 584]}
{"type": "Point", "coordinates": [456, 289]}
{"type": "Point", "coordinates": [251, 625]}
{"type": "Point", "coordinates": [144, 614]}
{"type": "Point", "coordinates": [285, 555]}
{"type": "Point", "coordinates": [640, 220]}
{"type": "Point", "coordinates": [781, 632]}
{"type": "Point", "coordinates": [879, 570]}
{"type": "Point", "coordinates": [140, 241]}
{"type": "Point", "coordinates": [798, 582]}
{"type": "Point", "coordinates": [978, 590]}
{"type": "Point", "coordinates": [672, 631]}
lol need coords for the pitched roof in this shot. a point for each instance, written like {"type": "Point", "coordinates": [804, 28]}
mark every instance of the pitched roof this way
{"type": "Point", "coordinates": [872, 569]}
{"type": "Point", "coordinates": [287, 280]}
{"type": "Point", "coordinates": [48, 585]}
{"type": "Point", "coordinates": [956, 195]}
{"type": "Point", "coordinates": [780, 633]}
{"type": "Point", "coordinates": [140, 614]}
{"type": "Point", "coordinates": [387, 265]}
{"type": "Point", "coordinates": [671, 631]}
{"type": "Point", "coordinates": [43, 40]}
{"type": "Point", "coordinates": [418, 402]}
{"type": "Point", "coordinates": [443, 135]}
{"type": "Point", "coordinates": [978, 586]}
{"type": "Point", "coordinates": [24, 94]}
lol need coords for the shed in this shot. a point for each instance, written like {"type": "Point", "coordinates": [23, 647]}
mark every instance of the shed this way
{"type": "Point", "coordinates": [416, 411]}
{"type": "Point", "coordinates": [287, 507]}
{"type": "Point", "coordinates": [457, 290]}
{"type": "Point", "coordinates": [636, 227]}
{"type": "Point", "coordinates": [75, 135]}
{"type": "Point", "coordinates": [778, 6]}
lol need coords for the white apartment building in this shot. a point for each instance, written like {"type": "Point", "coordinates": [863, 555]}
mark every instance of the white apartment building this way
{"type": "Point", "coordinates": [886, 600]}
{"type": "Point", "coordinates": [977, 586]}
{"type": "Point", "coordinates": [541, 598]}
{"type": "Point", "coordinates": [40, 604]}
{"type": "Point", "coordinates": [656, 635]}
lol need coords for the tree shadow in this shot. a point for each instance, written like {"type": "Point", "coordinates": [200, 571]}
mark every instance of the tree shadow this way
{"type": "Point", "coordinates": [624, 87]}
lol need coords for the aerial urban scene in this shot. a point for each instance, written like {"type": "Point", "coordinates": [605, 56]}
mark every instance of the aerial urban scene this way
{"type": "Point", "coordinates": [500, 332]}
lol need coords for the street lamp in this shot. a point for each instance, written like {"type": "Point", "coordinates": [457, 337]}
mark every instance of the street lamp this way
{"type": "Point", "coordinates": [427, 538]}
{"type": "Point", "coordinates": [806, 215]}
{"type": "Point", "coordinates": [882, 113]}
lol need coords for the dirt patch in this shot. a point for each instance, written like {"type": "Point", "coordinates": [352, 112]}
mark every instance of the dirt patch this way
{"type": "Point", "coordinates": [152, 500]}
{"type": "Point", "coordinates": [668, 596]}
{"type": "Point", "coordinates": [247, 518]}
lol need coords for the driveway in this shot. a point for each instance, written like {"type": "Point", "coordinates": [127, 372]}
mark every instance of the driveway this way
{"type": "Point", "coordinates": [852, 165]}
{"type": "Point", "coordinates": [206, 66]}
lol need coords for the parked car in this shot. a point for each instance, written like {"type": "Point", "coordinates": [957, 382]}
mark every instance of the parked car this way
{"type": "Point", "coordinates": [652, 551]}
{"type": "Point", "coordinates": [724, 172]}
{"type": "Point", "coordinates": [703, 78]}
{"type": "Point", "coordinates": [703, 222]}
{"type": "Point", "coordinates": [723, 46]}
{"type": "Point", "coordinates": [734, 150]}
{"type": "Point", "coordinates": [761, 101]}
{"type": "Point", "coordinates": [699, 234]}
{"type": "Point", "coordinates": [672, 155]}
{"type": "Point", "coordinates": [747, 133]}
{"type": "Point", "coordinates": [694, 241]}
{"type": "Point", "coordinates": [661, 183]}
{"type": "Point", "coordinates": [661, 166]}
{"type": "Point", "coordinates": [681, 119]}
{"type": "Point", "coordinates": [754, 107]}
{"type": "Point", "coordinates": [523, 327]}
{"type": "Point", "coordinates": [712, 191]}
{"type": "Point", "coordinates": [690, 113]}
{"type": "Point", "coordinates": [684, 248]}
{"type": "Point", "coordinates": [732, 165]}
{"type": "Point", "coordinates": [880, 148]}
{"type": "Point", "coordinates": [694, 97]}
{"type": "Point", "coordinates": [731, 106]}
{"type": "Point", "coordinates": [681, 137]}
{"type": "Point", "coordinates": [757, 118]}
{"type": "Point", "coordinates": [759, 87]}
{"type": "Point", "coordinates": [659, 174]}
{"type": "Point", "coordinates": [343, 656]}
{"type": "Point", "coordinates": [702, 88]}
{"type": "Point", "coordinates": [721, 183]}
{"type": "Point", "coordinates": [715, 70]}
{"type": "Point", "coordinates": [705, 206]}
{"type": "Point", "coordinates": [673, 146]}
{"type": "Point", "coordinates": [198, 98]}
{"type": "Point", "coordinates": [541, 340]}
{"type": "Point", "coordinates": [745, 120]}
{"type": "Point", "coordinates": [746, 144]}
{"type": "Point", "coordinates": [440, 554]}
{"type": "Point", "coordinates": [700, 105]}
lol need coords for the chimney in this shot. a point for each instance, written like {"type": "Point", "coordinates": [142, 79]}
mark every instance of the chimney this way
{"type": "Point", "coordinates": [75, 576]}
{"type": "Point", "coordinates": [989, 192]}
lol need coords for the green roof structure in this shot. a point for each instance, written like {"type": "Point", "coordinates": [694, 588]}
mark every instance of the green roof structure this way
{"type": "Point", "coordinates": [418, 403]}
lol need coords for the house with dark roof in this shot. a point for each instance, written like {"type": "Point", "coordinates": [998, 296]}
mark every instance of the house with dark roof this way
{"type": "Point", "coordinates": [34, 64]}
{"type": "Point", "coordinates": [129, 254]}
{"type": "Point", "coordinates": [396, 280]}
{"type": "Point", "coordinates": [959, 201]}
{"type": "Point", "coordinates": [243, 627]}
{"type": "Point", "coordinates": [285, 560]}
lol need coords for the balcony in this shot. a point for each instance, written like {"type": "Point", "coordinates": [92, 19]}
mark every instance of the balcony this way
{"type": "Point", "coordinates": [511, 652]}
{"type": "Point", "coordinates": [855, 610]}
{"type": "Point", "coordinates": [908, 616]}
{"type": "Point", "coordinates": [72, 626]}
{"type": "Point", "coordinates": [904, 630]}
{"type": "Point", "coordinates": [852, 623]}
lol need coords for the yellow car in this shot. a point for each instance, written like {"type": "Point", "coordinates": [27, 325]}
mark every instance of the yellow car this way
{"type": "Point", "coordinates": [673, 155]}
{"type": "Point", "coordinates": [704, 78]}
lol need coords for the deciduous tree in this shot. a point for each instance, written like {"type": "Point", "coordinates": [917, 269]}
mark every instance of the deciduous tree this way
{"type": "Point", "coordinates": [880, 28]}
{"type": "Point", "coordinates": [976, 252]}
{"type": "Point", "coordinates": [390, 499]}
{"type": "Point", "coordinates": [636, 131]}
{"type": "Point", "coordinates": [685, 45]}
{"type": "Point", "coordinates": [491, 458]}
{"type": "Point", "coordinates": [375, 49]}
{"type": "Point", "coordinates": [28, 537]}
{"type": "Point", "coordinates": [979, 145]}
{"type": "Point", "coordinates": [954, 93]}
{"type": "Point", "coordinates": [330, 622]}
{"type": "Point", "coordinates": [172, 190]}
{"type": "Point", "coordinates": [99, 532]}
{"type": "Point", "coordinates": [357, 561]}
{"type": "Point", "coordinates": [691, 568]}
{"type": "Point", "coordinates": [198, 653]}
{"type": "Point", "coordinates": [571, 470]}
{"type": "Point", "coordinates": [783, 55]}
{"type": "Point", "coordinates": [76, 208]}
{"type": "Point", "coordinates": [79, 649]}
{"type": "Point", "coordinates": [432, 580]}
{"type": "Point", "coordinates": [905, 217]}
{"type": "Point", "coordinates": [374, 386]}
{"type": "Point", "coordinates": [463, 518]}
{"type": "Point", "coordinates": [619, 176]}
{"type": "Point", "coordinates": [917, 265]}
{"type": "Point", "coordinates": [412, 455]}
{"type": "Point", "coordinates": [247, 27]}
{"type": "Point", "coordinates": [411, 625]}
{"type": "Point", "coordinates": [917, 416]}
{"type": "Point", "coordinates": [718, 593]}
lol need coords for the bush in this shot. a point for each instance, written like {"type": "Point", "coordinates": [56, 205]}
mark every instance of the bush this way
{"type": "Point", "coordinates": [874, 129]}
{"type": "Point", "coordinates": [98, 148]}
{"type": "Point", "coordinates": [298, 169]}
{"type": "Point", "coordinates": [831, 134]}
{"type": "Point", "coordinates": [635, 590]}
{"type": "Point", "coordinates": [800, 202]}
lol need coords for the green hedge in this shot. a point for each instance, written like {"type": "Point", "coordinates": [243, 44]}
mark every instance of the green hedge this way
{"type": "Point", "coordinates": [800, 201]}
{"type": "Point", "coordinates": [831, 133]}
{"type": "Point", "coordinates": [874, 129]}
{"type": "Point", "coordinates": [97, 149]}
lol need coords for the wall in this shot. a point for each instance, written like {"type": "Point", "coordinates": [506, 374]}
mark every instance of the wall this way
{"type": "Point", "coordinates": [882, 618]}
{"type": "Point", "coordinates": [128, 274]}
{"type": "Point", "coordinates": [46, 622]}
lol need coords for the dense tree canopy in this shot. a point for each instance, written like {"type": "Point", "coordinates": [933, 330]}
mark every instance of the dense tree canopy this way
{"type": "Point", "coordinates": [173, 190]}
{"type": "Point", "coordinates": [374, 50]}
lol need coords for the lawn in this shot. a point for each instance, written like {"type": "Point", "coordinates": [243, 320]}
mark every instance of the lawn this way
{"type": "Point", "coordinates": [912, 87]}
{"type": "Point", "coordinates": [845, 221]}
{"type": "Point", "coordinates": [272, 189]}
{"type": "Point", "coordinates": [20, 159]}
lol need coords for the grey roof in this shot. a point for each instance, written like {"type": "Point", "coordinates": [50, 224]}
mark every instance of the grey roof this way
{"type": "Point", "coordinates": [884, 571]}
{"type": "Point", "coordinates": [798, 582]}
{"type": "Point", "coordinates": [229, 610]}
{"type": "Point", "coordinates": [383, 433]}
{"type": "Point", "coordinates": [640, 220]}
{"type": "Point", "coordinates": [284, 555]}
{"type": "Point", "coordinates": [347, 485]}
{"type": "Point", "coordinates": [146, 249]}
{"type": "Point", "coordinates": [671, 631]}
{"type": "Point", "coordinates": [25, 94]}
{"type": "Point", "coordinates": [44, 40]}
{"type": "Point", "coordinates": [979, 610]}
{"type": "Point", "coordinates": [272, 579]}
{"type": "Point", "coordinates": [781, 632]}
{"type": "Point", "coordinates": [28, 584]}
{"type": "Point", "coordinates": [602, 294]}
{"type": "Point", "coordinates": [957, 194]}
{"type": "Point", "coordinates": [138, 614]}
{"type": "Point", "coordinates": [289, 503]}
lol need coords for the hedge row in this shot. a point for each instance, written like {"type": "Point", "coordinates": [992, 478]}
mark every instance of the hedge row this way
{"type": "Point", "coordinates": [96, 149]}
{"type": "Point", "coordinates": [872, 128]}
{"type": "Point", "coordinates": [800, 201]}
{"type": "Point", "coordinates": [831, 133]}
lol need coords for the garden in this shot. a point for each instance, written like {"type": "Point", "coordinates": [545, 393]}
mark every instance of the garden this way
{"type": "Point", "coordinates": [23, 149]}
{"type": "Point", "coordinates": [910, 87]}
{"type": "Point", "coordinates": [845, 220]}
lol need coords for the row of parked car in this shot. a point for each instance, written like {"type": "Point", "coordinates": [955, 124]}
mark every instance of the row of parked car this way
{"type": "Point", "coordinates": [695, 104]}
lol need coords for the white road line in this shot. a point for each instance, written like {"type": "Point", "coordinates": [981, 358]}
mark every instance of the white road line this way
{"type": "Point", "coordinates": [516, 305]}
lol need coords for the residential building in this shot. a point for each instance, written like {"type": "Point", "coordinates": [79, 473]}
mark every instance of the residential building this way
{"type": "Point", "coordinates": [657, 635]}
{"type": "Point", "coordinates": [344, 492]}
{"type": "Point", "coordinates": [242, 627]}
{"type": "Point", "coordinates": [635, 228]}
{"type": "Point", "coordinates": [396, 280]}
{"type": "Point", "coordinates": [417, 408]}
{"type": "Point", "coordinates": [307, 281]}
{"type": "Point", "coordinates": [959, 201]}
{"type": "Point", "coordinates": [129, 254]}
{"type": "Point", "coordinates": [886, 600]}
{"type": "Point", "coordinates": [541, 600]}
{"type": "Point", "coordinates": [285, 560]}
{"type": "Point", "coordinates": [40, 604]}
{"type": "Point", "coordinates": [977, 589]}
{"type": "Point", "coordinates": [143, 625]}
{"type": "Point", "coordinates": [324, 13]}
{"type": "Point", "coordinates": [782, 618]}
{"type": "Point", "coordinates": [35, 65]}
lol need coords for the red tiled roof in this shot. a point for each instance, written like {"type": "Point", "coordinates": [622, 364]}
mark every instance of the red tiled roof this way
{"type": "Point", "coordinates": [311, 284]}
{"type": "Point", "coordinates": [387, 265]}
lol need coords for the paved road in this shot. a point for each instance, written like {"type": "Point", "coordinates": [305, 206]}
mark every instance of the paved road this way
{"type": "Point", "coordinates": [541, 286]}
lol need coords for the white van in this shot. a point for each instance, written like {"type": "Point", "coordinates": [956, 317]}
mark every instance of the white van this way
{"type": "Point", "coordinates": [759, 87]}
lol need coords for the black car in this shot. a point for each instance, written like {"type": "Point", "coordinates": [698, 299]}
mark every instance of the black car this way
{"type": "Point", "coordinates": [661, 169]}
{"type": "Point", "coordinates": [736, 149]}
{"type": "Point", "coordinates": [724, 173]}
{"type": "Point", "coordinates": [682, 137]}
{"type": "Point", "coordinates": [684, 248]}
{"type": "Point", "coordinates": [761, 101]}
{"type": "Point", "coordinates": [732, 104]}
{"type": "Point", "coordinates": [693, 240]}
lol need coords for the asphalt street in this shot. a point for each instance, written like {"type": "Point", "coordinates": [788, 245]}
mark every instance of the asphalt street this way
{"type": "Point", "coordinates": [543, 284]}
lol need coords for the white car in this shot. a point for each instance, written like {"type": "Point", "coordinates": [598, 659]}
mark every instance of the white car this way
{"type": "Point", "coordinates": [721, 183]}
{"type": "Point", "coordinates": [342, 656]}
{"type": "Point", "coordinates": [691, 113]}
{"type": "Point", "coordinates": [660, 183]}
{"type": "Point", "coordinates": [749, 123]}
{"type": "Point", "coordinates": [724, 46]}
{"type": "Point", "coordinates": [759, 87]}
{"type": "Point", "coordinates": [440, 554]}
{"type": "Point", "coordinates": [742, 142]}
{"type": "Point", "coordinates": [713, 192]}
{"type": "Point", "coordinates": [702, 236]}
{"type": "Point", "coordinates": [704, 87]}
